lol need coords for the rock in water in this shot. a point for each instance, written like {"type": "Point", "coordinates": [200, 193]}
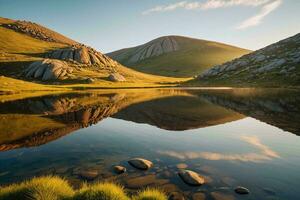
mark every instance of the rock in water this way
{"type": "Point", "coordinates": [140, 163]}
{"type": "Point", "coordinates": [88, 174]}
{"type": "Point", "coordinates": [119, 169]}
{"type": "Point", "coordinates": [116, 77]}
{"type": "Point", "coordinates": [191, 177]}
{"type": "Point", "coordinates": [241, 190]}
{"type": "Point", "coordinates": [48, 69]}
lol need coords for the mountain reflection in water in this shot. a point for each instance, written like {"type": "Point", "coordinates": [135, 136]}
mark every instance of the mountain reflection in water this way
{"type": "Point", "coordinates": [36, 121]}
{"type": "Point", "coordinates": [232, 137]}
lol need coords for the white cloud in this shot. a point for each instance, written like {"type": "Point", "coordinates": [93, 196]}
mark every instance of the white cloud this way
{"type": "Point", "coordinates": [209, 4]}
{"type": "Point", "coordinates": [267, 7]}
{"type": "Point", "coordinates": [256, 19]}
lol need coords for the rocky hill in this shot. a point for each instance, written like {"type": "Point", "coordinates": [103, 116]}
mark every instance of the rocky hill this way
{"type": "Point", "coordinates": [34, 53]}
{"type": "Point", "coordinates": [275, 65]}
{"type": "Point", "coordinates": [35, 30]}
{"type": "Point", "coordinates": [176, 56]}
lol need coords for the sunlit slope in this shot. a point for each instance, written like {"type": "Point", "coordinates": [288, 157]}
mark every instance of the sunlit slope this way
{"type": "Point", "coordinates": [276, 65]}
{"type": "Point", "coordinates": [176, 56]}
{"type": "Point", "coordinates": [19, 49]}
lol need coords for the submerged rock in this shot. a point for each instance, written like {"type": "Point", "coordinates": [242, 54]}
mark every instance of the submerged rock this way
{"type": "Point", "coordinates": [191, 177]}
{"type": "Point", "coordinates": [116, 77]}
{"type": "Point", "coordinates": [119, 169]}
{"type": "Point", "coordinates": [176, 196]}
{"type": "Point", "coordinates": [88, 174]}
{"type": "Point", "coordinates": [48, 69]}
{"type": "Point", "coordinates": [241, 190]}
{"type": "Point", "coordinates": [140, 163]}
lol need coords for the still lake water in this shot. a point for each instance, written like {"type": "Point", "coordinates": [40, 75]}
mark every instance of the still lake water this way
{"type": "Point", "coordinates": [232, 137]}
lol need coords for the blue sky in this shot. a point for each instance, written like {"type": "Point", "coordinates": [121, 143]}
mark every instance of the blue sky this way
{"type": "Point", "coordinates": [109, 25]}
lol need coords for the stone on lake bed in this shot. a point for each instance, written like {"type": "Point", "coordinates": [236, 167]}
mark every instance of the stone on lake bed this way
{"type": "Point", "coordinates": [191, 177]}
{"type": "Point", "coordinates": [140, 163]}
{"type": "Point", "coordinates": [119, 169]}
{"type": "Point", "coordinates": [88, 174]}
{"type": "Point", "coordinates": [241, 190]}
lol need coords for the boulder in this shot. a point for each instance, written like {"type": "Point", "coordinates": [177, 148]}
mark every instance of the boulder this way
{"type": "Point", "coordinates": [88, 174]}
{"type": "Point", "coordinates": [119, 169]}
{"type": "Point", "coordinates": [48, 69]}
{"type": "Point", "coordinates": [191, 177]}
{"type": "Point", "coordinates": [140, 163]}
{"type": "Point", "coordinates": [116, 77]}
{"type": "Point", "coordinates": [241, 190]}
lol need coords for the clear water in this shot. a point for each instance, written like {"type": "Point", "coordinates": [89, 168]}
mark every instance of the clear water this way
{"type": "Point", "coordinates": [232, 137]}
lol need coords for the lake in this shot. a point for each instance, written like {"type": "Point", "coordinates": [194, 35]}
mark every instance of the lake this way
{"type": "Point", "coordinates": [232, 137]}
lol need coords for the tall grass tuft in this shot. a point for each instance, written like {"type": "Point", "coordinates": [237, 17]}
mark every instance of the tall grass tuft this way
{"type": "Point", "coordinates": [42, 188]}
{"type": "Point", "coordinates": [101, 191]}
{"type": "Point", "coordinates": [150, 194]}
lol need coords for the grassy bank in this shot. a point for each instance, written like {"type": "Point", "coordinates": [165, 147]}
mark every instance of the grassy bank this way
{"type": "Point", "coordinates": [55, 188]}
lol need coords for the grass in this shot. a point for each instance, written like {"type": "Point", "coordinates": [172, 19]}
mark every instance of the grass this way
{"type": "Point", "coordinates": [43, 188]}
{"type": "Point", "coordinates": [150, 194]}
{"type": "Point", "coordinates": [55, 188]}
{"type": "Point", "coordinates": [101, 191]}
{"type": "Point", "coordinates": [193, 57]}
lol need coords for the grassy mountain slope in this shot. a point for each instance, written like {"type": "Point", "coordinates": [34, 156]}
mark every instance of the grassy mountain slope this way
{"type": "Point", "coordinates": [18, 50]}
{"type": "Point", "coordinates": [276, 65]}
{"type": "Point", "coordinates": [176, 56]}
{"type": "Point", "coordinates": [36, 31]}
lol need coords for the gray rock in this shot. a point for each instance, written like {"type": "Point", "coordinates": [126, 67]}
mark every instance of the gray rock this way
{"type": "Point", "coordinates": [140, 163]}
{"type": "Point", "coordinates": [82, 54]}
{"type": "Point", "coordinates": [241, 190]}
{"type": "Point", "coordinates": [48, 69]}
{"type": "Point", "coordinates": [191, 177]}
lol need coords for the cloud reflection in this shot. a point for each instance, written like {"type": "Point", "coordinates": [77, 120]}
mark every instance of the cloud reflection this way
{"type": "Point", "coordinates": [266, 153]}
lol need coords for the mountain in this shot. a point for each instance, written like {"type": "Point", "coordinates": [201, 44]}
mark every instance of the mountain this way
{"type": "Point", "coordinates": [34, 53]}
{"type": "Point", "coordinates": [176, 56]}
{"type": "Point", "coordinates": [275, 65]}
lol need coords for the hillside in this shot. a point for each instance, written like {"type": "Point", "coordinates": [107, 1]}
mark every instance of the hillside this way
{"type": "Point", "coordinates": [275, 65]}
{"type": "Point", "coordinates": [176, 56]}
{"type": "Point", "coordinates": [55, 59]}
{"type": "Point", "coordinates": [35, 30]}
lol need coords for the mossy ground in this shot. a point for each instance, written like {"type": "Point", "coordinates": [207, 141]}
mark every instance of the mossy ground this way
{"type": "Point", "coordinates": [55, 188]}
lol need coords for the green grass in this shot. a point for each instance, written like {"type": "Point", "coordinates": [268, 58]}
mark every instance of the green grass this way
{"type": "Point", "coordinates": [55, 188]}
{"type": "Point", "coordinates": [150, 194]}
{"type": "Point", "coordinates": [193, 57]}
{"type": "Point", "coordinates": [43, 188]}
{"type": "Point", "coordinates": [101, 191]}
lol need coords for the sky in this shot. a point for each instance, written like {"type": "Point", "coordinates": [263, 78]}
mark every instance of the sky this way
{"type": "Point", "coordinates": [109, 25]}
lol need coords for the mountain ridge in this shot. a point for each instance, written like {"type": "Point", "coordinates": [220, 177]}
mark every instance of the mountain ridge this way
{"type": "Point", "coordinates": [174, 55]}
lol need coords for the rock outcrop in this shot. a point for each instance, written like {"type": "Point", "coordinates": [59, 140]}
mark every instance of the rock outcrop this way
{"type": "Point", "coordinates": [280, 60]}
{"type": "Point", "coordinates": [82, 54]}
{"type": "Point", "coordinates": [48, 69]}
{"type": "Point", "coordinates": [153, 48]}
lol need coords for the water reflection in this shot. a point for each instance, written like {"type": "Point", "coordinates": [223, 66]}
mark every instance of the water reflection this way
{"type": "Point", "coordinates": [208, 131]}
{"type": "Point", "coordinates": [265, 153]}
{"type": "Point", "coordinates": [36, 121]}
